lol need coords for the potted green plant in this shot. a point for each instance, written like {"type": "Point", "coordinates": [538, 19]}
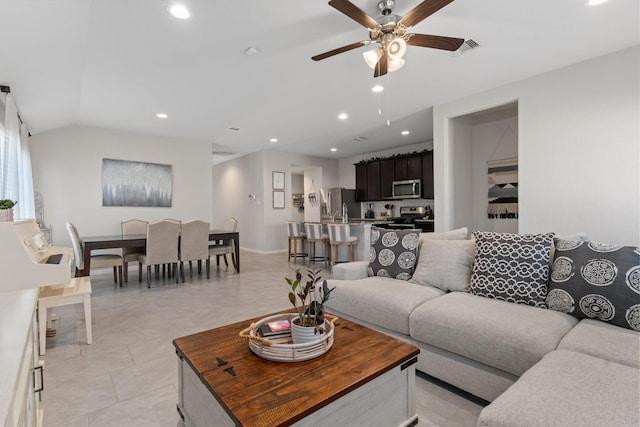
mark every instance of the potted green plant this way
{"type": "Point", "coordinates": [308, 299]}
{"type": "Point", "coordinates": [6, 209]}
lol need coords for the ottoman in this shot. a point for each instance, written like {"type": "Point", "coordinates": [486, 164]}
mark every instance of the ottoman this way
{"type": "Point", "coordinates": [568, 389]}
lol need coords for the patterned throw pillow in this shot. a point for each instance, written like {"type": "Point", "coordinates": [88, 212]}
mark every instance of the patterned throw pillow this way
{"type": "Point", "coordinates": [597, 281]}
{"type": "Point", "coordinates": [511, 267]}
{"type": "Point", "coordinates": [393, 252]}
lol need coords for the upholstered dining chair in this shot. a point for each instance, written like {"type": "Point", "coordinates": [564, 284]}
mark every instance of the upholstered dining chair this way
{"type": "Point", "coordinates": [221, 248]}
{"type": "Point", "coordinates": [340, 235]}
{"type": "Point", "coordinates": [162, 248]}
{"type": "Point", "coordinates": [297, 237]}
{"type": "Point", "coordinates": [315, 234]}
{"type": "Point", "coordinates": [194, 246]}
{"type": "Point", "coordinates": [131, 227]}
{"type": "Point", "coordinates": [97, 261]}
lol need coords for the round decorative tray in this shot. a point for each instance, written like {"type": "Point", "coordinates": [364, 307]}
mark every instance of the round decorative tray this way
{"type": "Point", "coordinates": [282, 349]}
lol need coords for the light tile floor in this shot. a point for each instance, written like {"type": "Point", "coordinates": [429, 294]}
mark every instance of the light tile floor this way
{"type": "Point", "coordinates": [128, 377]}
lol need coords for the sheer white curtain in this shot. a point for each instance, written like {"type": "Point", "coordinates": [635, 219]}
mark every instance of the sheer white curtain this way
{"type": "Point", "coordinates": [16, 178]}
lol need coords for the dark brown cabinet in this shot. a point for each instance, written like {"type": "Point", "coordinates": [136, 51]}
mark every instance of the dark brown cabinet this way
{"type": "Point", "coordinates": [374, 179]}
{"type": "Point", "coordinates": [401, 169]}
{"type": "Point", "coordinates": [387, 176]}
{"type": "Point", "coordinates": [361, 182]}
{"type": "Point", "coordinates": [427, 174]}
{"type": "Point", "coordinates": [414, 167]}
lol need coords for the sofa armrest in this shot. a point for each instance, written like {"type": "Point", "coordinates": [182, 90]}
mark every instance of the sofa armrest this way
{"type": "Point", "coordinates": [351, 270]}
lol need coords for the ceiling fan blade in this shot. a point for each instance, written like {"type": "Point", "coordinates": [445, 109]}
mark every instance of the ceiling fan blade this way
{"type": "Point", "coordinates": [381, 66]}
{"type": "Point", "coordinates": [339, 50]}
{"type": "Point", "coordinates": [421, 11]}
{"type": "Point", "coordinates": [436, 42]}
{"type": "Point", "coordinates": [355, 13]}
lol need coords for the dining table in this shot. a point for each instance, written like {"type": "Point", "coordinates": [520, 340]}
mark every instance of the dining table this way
{"type": "Point", "coordinates": [92, 243]}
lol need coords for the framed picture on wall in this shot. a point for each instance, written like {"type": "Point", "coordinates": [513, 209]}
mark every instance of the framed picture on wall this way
{"type": "Point", "coordinates": [278, 180]}
{"type": "Point", "coordinates": [278, 199]}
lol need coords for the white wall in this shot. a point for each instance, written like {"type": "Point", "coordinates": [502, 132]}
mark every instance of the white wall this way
{"type": "Point", "coordinates": [67, 171]}
{"type": "Point", "coordinates": [261, 227]}
{"type": "Point", "coordinates": [579, 151]}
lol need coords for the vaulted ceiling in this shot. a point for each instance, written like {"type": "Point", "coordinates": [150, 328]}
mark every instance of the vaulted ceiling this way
{"type": "Point", "coordinates": [116, 63]}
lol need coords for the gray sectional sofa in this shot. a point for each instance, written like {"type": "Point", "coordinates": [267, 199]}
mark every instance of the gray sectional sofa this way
{"type": "Point", "coordinates": [536, 365]}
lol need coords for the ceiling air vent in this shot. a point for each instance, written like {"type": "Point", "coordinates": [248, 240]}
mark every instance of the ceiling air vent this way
{"type": "Point", "coordinates": [359, 138]}
{"type": "Point", "coordinates": [465, 47]}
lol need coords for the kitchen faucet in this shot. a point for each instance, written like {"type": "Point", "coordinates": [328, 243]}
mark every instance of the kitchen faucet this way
{"type": "Point", "coordinates": [333, 217]}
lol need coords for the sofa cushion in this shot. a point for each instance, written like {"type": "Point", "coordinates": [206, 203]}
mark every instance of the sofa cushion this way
{"type": "Point", "coordinates": [511, 267]}
{"type": "Point", "coordinates": [457, 234]}
{"type": "Point", "coordinates": [380, 301]}
{"type": "Point", "coordinates": [568, 389]}
{"type": "Point", "coordinates": [605, 341]}
{"type": "Point", "coordinates": [506, 336]}
{"type": "Point", "coordinates": [599, 281]}
{"type": "Point", "coordinates": [393, 253]}
{"type": "Point", "coordinates": [445, 264]}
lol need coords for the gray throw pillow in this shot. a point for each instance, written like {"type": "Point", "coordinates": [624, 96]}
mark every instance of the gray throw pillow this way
{"type": "Point", "coordinates": [511, 267]}
{"type": "Point", "coordinates": [445, 264]}
{"type": "Point", "coordinates": [597, 281]}
{"type": "Point", "coordinates": [393, 253]}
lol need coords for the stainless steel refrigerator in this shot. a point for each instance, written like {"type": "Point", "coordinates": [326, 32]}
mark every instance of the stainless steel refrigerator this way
{"type": "Point", "coordinates": [332, 199]}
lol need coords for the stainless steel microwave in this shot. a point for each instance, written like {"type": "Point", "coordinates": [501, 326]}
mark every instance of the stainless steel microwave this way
{"type": "Point", "coordinates": [407, 189]}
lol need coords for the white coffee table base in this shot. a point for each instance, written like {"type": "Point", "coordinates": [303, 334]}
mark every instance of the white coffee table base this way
{"type": "Point", "coordinates": [77, 291]}
{"type": "Point", "coordinates": [387, 400]}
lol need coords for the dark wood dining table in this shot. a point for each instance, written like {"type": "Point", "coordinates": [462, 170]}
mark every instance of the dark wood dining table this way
{"type": "Point", "coordinates": [92, 243]}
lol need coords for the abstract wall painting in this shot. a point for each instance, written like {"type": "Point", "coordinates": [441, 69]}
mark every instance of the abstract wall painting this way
{"type": "Point", "coordinates": [127, 183]}
{"type": "Point", "coordinates": [503, 188]}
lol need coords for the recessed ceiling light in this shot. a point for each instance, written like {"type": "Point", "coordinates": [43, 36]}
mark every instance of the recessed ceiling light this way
{"type": "Point", "coordinates": [334, 149]}
{"type": "Point", "coordinates": [343, 116]}
{"type": "Point", "coordinates": [377, 88]}
{"type": "Point", "coordinates": [273, 140]}
{"type": "Point", "coordinates": [161, 116]}
{"type": "Point", "coordinates": [595, 2]}
{"type": "Point", "coordinates": [179, 11]}
{"type": "Point", "coordinates": [405, 132]}
{"type": "Point", "coordinates": [250, 51]}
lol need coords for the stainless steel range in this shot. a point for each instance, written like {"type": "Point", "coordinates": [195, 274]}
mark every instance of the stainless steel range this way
{"type": "Point", "coordinates": [419, 217]}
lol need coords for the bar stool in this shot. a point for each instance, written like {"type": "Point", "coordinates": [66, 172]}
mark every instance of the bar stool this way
{"type": "Point", "coordinates": [315, 234]}
{"type": "Point", "coordinates": [340, 235]}
{"type": "Point", "coordinates": [296, 236]}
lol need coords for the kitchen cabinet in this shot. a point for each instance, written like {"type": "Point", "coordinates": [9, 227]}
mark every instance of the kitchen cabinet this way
{"type": "Point", "coordinates": [414, 166]}
{"type": "Point", "coordinates": [387, 176]}
{"type": "Point", "coordinates": [361, 182]}
{"type": "Point", "coordinates": [401, 169]}
{"type": "Point", "coordinates": [373, 181]}
{"type": "Point", "coordinates": [408, 167]}
{"type": "Point", "coordinates": [427, 174]}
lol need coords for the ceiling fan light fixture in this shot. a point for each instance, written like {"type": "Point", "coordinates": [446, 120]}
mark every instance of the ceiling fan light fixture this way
{"type": "Point", "coordinates": [372, 57]}
{"type": "Point", "coordinates": [396, 48]}
{"type": "Point", "coordinates": [395, 64]}
{"type": "Point", "coordinates": [179, 11]}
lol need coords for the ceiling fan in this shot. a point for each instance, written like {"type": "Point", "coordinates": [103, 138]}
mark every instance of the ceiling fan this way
{"type": "Point", "coordinates": [390, 32]}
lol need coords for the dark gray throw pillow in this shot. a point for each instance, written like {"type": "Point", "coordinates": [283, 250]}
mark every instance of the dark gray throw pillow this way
{"type": "Point", "coordinates": [597, 281]}
{"type": "Point", "coordinates": [393, 252]}
{"type": "Point", "coordinates": [511, 267]}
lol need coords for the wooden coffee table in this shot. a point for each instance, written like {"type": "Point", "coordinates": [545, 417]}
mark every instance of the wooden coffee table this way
{"type": "Point", "coordinates": [365, 379]}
